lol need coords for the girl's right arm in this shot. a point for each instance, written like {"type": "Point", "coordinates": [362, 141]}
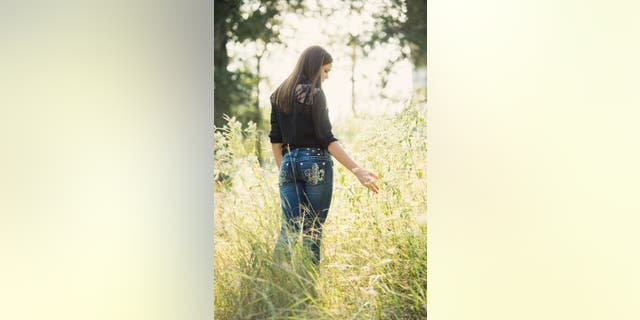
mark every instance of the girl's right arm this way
{"type": "Point", "coordinates": [366, 177]}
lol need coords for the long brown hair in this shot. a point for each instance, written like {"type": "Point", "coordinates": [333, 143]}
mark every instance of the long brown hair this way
{"type": "Point", "coordinates": [308, 67]}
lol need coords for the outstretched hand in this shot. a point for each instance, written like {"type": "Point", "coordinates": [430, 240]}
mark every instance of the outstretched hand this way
{"type": "Point", "coordinates": [367, 179]}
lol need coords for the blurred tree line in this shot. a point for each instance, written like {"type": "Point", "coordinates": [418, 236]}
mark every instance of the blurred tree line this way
{"type": "Point", "coordinates": [250, 21]}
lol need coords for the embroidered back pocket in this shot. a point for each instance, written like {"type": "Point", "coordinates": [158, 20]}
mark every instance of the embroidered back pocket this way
{"type": "Point", "coordinates": [317, 172]}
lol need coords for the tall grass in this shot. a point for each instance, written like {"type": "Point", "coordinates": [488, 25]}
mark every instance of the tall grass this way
{"type": "Point", "coordinates": [374, 259]}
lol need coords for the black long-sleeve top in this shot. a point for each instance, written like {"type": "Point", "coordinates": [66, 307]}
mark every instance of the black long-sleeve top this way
{"type": "Point", "coordinates": [307, 123]}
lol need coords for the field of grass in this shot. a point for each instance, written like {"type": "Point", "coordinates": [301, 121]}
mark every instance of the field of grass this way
{"type": "Point", "coordinates": [374, 247]}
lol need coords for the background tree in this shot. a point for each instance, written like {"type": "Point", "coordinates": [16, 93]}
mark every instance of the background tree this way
{"type": "Point", "coordinates": [242, 21]}
{"type": "Point", "coordinates": [355, 42]}
{"type": "Point", "coordinates": [406, 21]}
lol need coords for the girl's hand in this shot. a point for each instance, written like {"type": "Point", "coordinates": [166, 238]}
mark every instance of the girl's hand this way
{"type": "Point", "coordinates": [367, 178]}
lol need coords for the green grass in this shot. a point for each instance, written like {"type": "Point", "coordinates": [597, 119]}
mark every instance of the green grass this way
{"type": "Point", "coordinates": [374, 258]}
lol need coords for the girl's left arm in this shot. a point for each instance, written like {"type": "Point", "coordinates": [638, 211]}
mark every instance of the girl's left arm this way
{"type": "Point", "coordinates": [275, 135]}
{"type": "Point", "coordinates": [277, 153]}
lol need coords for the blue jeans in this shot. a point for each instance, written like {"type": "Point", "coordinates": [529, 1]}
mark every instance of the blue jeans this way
{"type": "Point", "coordinates": [306, 186]}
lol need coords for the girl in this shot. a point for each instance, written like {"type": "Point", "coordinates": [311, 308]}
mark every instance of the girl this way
{"type": "Point", "coordinates": [302, 144]}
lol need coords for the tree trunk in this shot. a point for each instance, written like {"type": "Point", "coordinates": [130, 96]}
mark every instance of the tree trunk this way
{"type": "Point", "coordinates": [353, 78]}
{"type": "Point", "coordinates": [222, 10]}
{"type": "Point", "coordinates": [258, 113]}
{"type": "Point", "coordinates": [416, 13]}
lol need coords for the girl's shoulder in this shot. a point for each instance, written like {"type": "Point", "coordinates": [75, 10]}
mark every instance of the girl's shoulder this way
{"type": "Point", "coordinates": [304, 93]}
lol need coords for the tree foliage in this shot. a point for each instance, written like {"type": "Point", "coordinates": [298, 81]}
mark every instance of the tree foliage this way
{"type": "Point", "coordinates": [405, 20]}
